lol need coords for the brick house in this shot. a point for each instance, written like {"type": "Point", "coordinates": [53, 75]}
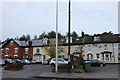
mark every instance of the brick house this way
{"type": "Point", "coordinates": [17, 49]}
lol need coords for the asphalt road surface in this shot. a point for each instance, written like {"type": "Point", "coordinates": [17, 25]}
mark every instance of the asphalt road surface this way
{"type": "Point", "coordinates": [30, 72]}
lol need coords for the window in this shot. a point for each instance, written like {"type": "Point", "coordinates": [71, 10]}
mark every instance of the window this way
{"type": "Point", "coordinates": [76, 48]}
{"type": "Point", "coordinates": [16, 50]}
{"type": "Point", "coordinates": [62, 49]}
{"type": "Point", "coordinates": [38, 50]}
{"type": "Point", "coordinates": [89, 56]}
{"type": "Point", "coordinates": [7, 50]}
{"type": "Point", "coordinates": [89, 45]}
{"type": "Point", "coordinates": [2, 51]}
{"type": "Point", "coordinates": [97, 55]}
{"type": "Point", "coordinates": [106, 46]}
{"type": "Point", "coordinates": [97, 38]}
{"type": "Point", "coordinates": [95, 44]}
{"type": "Point", "coordinates": [11, 56]}
{"type": "Point", "coordinates": [26, 50]}
{"type": "Point", "coordinates": [11, 43]}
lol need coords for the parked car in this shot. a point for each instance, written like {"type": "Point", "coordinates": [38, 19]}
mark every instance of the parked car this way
{"type": "Point", "coordinates": [97, 62]}
{"type": "Point", "coordinates": [7, 61]}
{"type": "Point", "coordinates": [15, 60]}
{"type": "Point", "coordinates": [25, 61]}
{"type": "Point", "coordinates": [33, 61]}
{"type": "Point", "coordinates": [2, 63]}
{"type": "Point", "coordinates": [46, 62]}
{"type": "Point", "coordinates": [60, 61]}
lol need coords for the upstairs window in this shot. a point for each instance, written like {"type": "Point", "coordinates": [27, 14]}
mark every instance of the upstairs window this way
{"type": "Point", "coordinates": [98, 56]}
{"type": "Point", "coordinates": [62, 49]}
{"type": "Point", "coordinates": [26, 50]}
{"type": "Point", "coordinates": [97, 38]}
{"type": "Point", "coordinates": [76, 48]}
{"type": "Point", "coordinates": [16, 50]}
{"type": "Point", "coordinates": [106, 47]}
{"type": "Point", "coordinates": [38, 50]}
{"type": "Point", "coordinates": [11, 43]}
{"type": "Point", "coordinates": [2, 51]}
{"type": "Point", "coordinates": [7, 50]}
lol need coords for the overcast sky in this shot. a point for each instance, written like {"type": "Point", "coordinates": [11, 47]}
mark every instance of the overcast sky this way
{"type": "Point", "coordinates": [34, 18]}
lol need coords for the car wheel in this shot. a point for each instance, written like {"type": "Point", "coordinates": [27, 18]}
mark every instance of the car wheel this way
{"type": "Point", "coordinates": [52, 65]}
{"type": "Point", "coordinates": [101, 65]}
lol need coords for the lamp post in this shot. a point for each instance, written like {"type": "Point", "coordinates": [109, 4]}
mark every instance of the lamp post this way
{"type": "Point", "coordinates": [56, 64]}
{"type": "Point", "coordinates": [69, 17]}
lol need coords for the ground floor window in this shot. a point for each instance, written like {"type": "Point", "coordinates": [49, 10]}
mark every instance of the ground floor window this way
{"type": "Point", "coordinates": [98, 56]}
{"type": "Point", "coordinates": [89, 56]}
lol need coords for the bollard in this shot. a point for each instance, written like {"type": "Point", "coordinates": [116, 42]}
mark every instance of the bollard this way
{"type": "Point", "coordinates": [72, 67]}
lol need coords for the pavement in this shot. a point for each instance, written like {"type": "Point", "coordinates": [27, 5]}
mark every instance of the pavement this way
{"type": "Point", "coordinates": [109, 72]}
{"type": "Point", "coordinates": [44, 72]}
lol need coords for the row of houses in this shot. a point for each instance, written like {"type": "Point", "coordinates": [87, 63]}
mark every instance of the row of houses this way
{"type": "Point", "coordinates": [103, 46]}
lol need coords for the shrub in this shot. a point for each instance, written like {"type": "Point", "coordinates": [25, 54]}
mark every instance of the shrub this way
{"type": "Point", "coordinates": [16, 66]}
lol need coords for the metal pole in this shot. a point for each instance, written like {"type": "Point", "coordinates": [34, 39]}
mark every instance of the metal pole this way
{"type": "Point", "coordinates": [56, 64]}
{"type": "Point", "coordinates": [69, 40]}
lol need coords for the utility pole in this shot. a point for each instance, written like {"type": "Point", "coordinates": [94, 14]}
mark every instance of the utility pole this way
{"type": "Point", "coordinates": [69, 17]}
{"type": "Point", "coordinates": [56, 64]}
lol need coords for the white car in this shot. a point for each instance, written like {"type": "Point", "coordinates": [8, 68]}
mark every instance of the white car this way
{"type": "Point", "coordinates": [33, 61]}
{"type": "Point", "coordinates": [60, 61]}
{"type": "Point", "coordinates": [25, 61]}
{"type": "Point", "coordinates": [2, 61]}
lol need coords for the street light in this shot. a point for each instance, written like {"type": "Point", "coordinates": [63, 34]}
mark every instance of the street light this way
{"type": "Point", "coordinates": [56, 64]}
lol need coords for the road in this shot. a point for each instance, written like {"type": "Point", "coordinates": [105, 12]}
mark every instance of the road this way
{"type": "Point", "coordinates": [30, 72]}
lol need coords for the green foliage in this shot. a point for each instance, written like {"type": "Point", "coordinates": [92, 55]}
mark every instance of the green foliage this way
{"type": "Point", "coordinates": [74, 34]}
{"type": "Point", "coordinates": [25, 38]}
{"type": "Point", "coordinates": [35, 37]}
{"type": "Point", "coordinates": [51, 49]}
{"type": "Point", "coordinates": [52, 34]}
{"type": "Point", "coordinates": [78, 69]}
{"type": "Point", "coordinates": [43, 35]}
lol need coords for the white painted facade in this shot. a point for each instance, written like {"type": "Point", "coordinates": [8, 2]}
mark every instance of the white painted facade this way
{"type": "Point", "coordinates": [107, 52]}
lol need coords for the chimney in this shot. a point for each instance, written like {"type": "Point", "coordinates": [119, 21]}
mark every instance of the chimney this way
{"type": "Point", "coordinates": [82, 34]}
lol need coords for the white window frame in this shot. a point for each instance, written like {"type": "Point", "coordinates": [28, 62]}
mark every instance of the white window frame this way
{"type": "Point", "coordinates": [37, 50]}
{"type": "Point", "coordinates": [16, 50]}
{"type": "Point", "coordinates": [11, 43]}
{"type": "Point", "coordinates": [2, 51]}
{"type": "Point", "coordinates": [26, 50]}
{"type": "Point", "coordinates": [6, 50]}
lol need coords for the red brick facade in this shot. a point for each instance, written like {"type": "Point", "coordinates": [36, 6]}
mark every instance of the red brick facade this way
{"type": "Point", "coordinates": [13, 50]}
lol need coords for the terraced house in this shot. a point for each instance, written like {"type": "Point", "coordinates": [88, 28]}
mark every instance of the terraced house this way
{"type": "Point", "coordinates": [105, 46]}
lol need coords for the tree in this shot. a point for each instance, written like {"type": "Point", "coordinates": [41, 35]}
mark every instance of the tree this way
{"type": "Point", "coordinates": [43, 35]}
{"type": "Point", "coordinates": [67, 34]}
{"type": "Point", "coordinates": [52, 34]}
{"type": "Point", "coordinates": [25, 38]}
{"type": "Point", "coordinates": [35, 37]}
{"type": "Point", "coordinates": [5, 40]}
{"type": "Point", "coordinates": [51, 49]}
{"type": "Point", "coordinates": [22, 38]}
{"type": "Point", "coordinates": [74, 34]}
{"type": "Point", "coordinates": [28, 37]}
{"type": "Point", "coordinates": [17, 38]}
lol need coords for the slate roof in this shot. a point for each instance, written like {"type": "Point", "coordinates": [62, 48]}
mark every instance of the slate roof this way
{"type": "Point", "coordinates": [37, 42]}
{"type": "Point", "coordinates": [21, 43]}
{"type": "Point", "coordinates": [87, 39]}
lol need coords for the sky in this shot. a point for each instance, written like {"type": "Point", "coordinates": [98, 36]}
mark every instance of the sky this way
{"type": "Point", "coordinates": [34, 18]}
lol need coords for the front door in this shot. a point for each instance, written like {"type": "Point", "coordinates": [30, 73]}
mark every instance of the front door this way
{"type": "Point", "coordinates": [37, 58]}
